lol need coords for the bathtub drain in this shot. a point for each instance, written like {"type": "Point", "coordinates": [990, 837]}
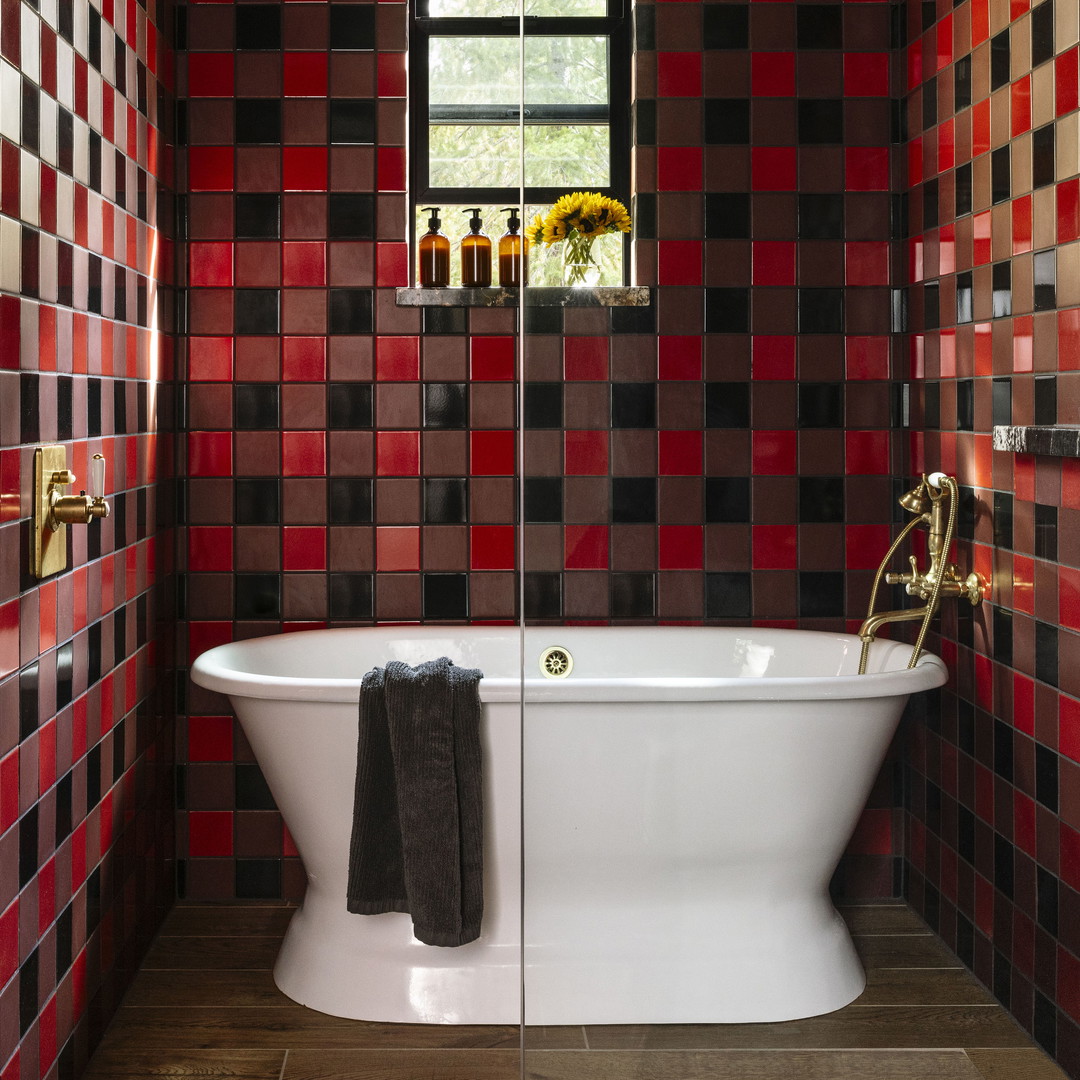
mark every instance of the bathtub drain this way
{"type": "Point", "coordinates": [556, 662]}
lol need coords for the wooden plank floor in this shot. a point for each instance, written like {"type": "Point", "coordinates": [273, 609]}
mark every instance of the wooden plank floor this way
{"type": "Point", "coordinates": [204, 1006]}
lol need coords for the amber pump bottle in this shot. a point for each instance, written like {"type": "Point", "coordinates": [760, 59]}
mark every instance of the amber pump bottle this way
{"type": "Point", "coordinates": [475, 254]}
{"type": "Point", "coordinates": [434, 252]}
{"type": "Point", "coordinates": [513, 252]}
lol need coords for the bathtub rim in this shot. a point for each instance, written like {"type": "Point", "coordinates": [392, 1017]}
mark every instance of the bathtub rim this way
{"type": "Point", "coordinates": [212, 671]}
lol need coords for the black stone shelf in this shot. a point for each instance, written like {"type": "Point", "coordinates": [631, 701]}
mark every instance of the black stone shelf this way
{"type": "Point", "coordinates": [1058, 440]}
{"type": "Point", "coordinates": [498, 297]}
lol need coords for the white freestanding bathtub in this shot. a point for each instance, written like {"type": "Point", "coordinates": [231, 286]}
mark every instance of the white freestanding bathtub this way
{"type": "Point", "coordinates": [675, 809]}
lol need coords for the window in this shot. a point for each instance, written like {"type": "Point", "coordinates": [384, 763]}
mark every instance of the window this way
{"type": "Point", "coordinates": [467, 86]}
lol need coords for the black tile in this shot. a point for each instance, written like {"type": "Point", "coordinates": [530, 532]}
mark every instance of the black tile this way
{"type": "Point", "coordinates": [256, 311]}
{"type": "Point", "coordinates": [350, 311]}
{"type": "Point", "coordinates": [930, 203]}
{"type": "Point", "coordinates": [633, 595]}
{"type": "Point", "coordinates": [1000, 175]}
{"type": "Point", "coordinates": [352, 121]}
{"type": "Point", "coordinates": [1046, 777]}
{"type": "Point", "coordinates": [821, 594]}
{"type": "Point", "coordinates": [962, 189]}
{"type": "Point", "coordinates": [727, 595]}
{"type": "Point", "coordinates": [543, 498]}
{"type": "Point", "coordinates": [1003, 519]}
{"type": "Point", "coordinates": [644, 135]}
{"type": "Point", "coordinates": [1003, 750]}
{"type": "Point", "coordinates": [727, 499]}
{"type": "Point", "coordinates": [727, 310]}
{"type": "Point", "coordinates": [65, 140]}
{"type": "Point", "coordinates": [1003, 865]}
{"type": "Point", "coordinates": [258, 120]}
{"type": "Point", "coordinates": [821, 121]}
{"type": "Point", "coordinates": [821, 311]}
{"type": "Point", "coordinates": [628, 320]}
{"type": "Point", "coordinates": [727, 121]}
{"type": "Point", "coordinates": [445, 500]}
{"type": "Point", "coordinates": [929, 104]}
{"type": "Point", "coordinates": [250, 787]}
{"type": "Point", "coordinates": [962, 83]}
{"type": "Point", "coordinates": [965, 405]}
{"type": "Point", "coordinates": [1003, 635]}
{"type": "Point", "coordinates": [821, 499]}
{"type": "Point", "coordinates": [727, 405]}
{"type": "Point", "coordinates": [256, 406]}
{"type": "Point", "coordinates": [446, 405]}
{"type": "Point", "coordinates": [1045, 399]}
{"type": "Point", "coordinates": [257, 879]}
{"type": "Point", "coordinates": [543, 595]}
{"type": "Point", "coordinates": [1001, 278]}
{"type": "Point", "coordinates": [256, 596]}
{"type": "Point", "coordinates": [1042, 33]}
{"type": "Point", "coordinates": [445, 596]}
{"type": "Point", "coordinates": [1046, 653]}
{"type": "Point", "coordinates": [1047, 900]}
{"type": "Point", "coordinates": [644, 28]}
{"type": "Point", "coordinates": [350, 596]}
{"type": "Point", "coordinates": [258, 26]}
{"type": "Point", "coordinates": [965, 297]}
{"type": "Point", "coordinates": [633, 405]}
{"type": "Point", "coordinates": [999, 60]}
{"type": "Point", "coordinates": [448, 320]}
{"type": "Point", "coordinates": [258, 217]}
{"type": "Point", "coordinates": [821, 217]}
{"type": "Point", "coordinates": [543, 405]}
{"type": "Point", "coordinates": [727, 216]}
{"type": "Point", "coordinates": [726, 26]}
{"type": "Point", "coordinates": [352, 26]}
{"type": "Point", "coordinates": [1044, 1023]}
{"type": "Point", "coordinates": [1046, 532]}
{"type": "Point", "coordinates": [28, 700]}
{"type": "Point", "coordinates": [1044, 268]}
{"type": "Point", "coordinates": [28, 980]}
{"type": "Point", "coordinates": [63, 808]}
{"type": "Point", "coordinates": [633, 499]}
{"type": "Point", "coordinates": [258, 501]}
{"type": "Point", "coordinates": [64, 942]}
{"type": "Point", "coordinates": [31, 120]}
{"type": "Point", "coordinates": [350, 406]}
{"type": "Point", "coordinates": [819, 26]}
{"type": "Point", "coordinates": [349, 499]}
{"type": "Point", "coordinates": [351, 217]}
{"type": "Point", "coordinates": [1042, 153]}
{"type": "Point", "coordinates": [821, 405]}
{"type": "Point", "coordinates": [965, 833]}
{"type": "Point", "coordinates": [93, 45]}
{"type": "Point", "coordinates": [64, 674]}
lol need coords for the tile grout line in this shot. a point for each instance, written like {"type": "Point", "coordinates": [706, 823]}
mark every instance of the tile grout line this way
{"type": "Point", "coordinates": [284, 1063]}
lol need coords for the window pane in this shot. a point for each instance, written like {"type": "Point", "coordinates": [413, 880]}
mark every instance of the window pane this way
{"type": "Point", "coordinates": [485, 70]}
{"type": "Point", "coordinates": [490, 9]}
{"type": "Point", "coordinates": [488, 155]}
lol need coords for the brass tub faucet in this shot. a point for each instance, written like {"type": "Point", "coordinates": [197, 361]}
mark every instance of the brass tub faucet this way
{"type": "Point", "coordinates": [933, 501]}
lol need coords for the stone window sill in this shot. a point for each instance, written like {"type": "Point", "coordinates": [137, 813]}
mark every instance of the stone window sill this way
{"type": "Point", "coordinates": [498, 297]}
{"type": "Point", "coordinates": [1057, 440]}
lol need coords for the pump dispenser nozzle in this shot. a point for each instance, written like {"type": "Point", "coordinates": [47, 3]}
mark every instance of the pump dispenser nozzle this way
{"type": "Point", "coordinates": [475, 254]}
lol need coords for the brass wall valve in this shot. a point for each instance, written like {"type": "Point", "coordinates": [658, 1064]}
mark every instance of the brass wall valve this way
{"type": "Point", "coordinates": [53, 511]}
{"type": "Point", "coordinates": [78, 509]}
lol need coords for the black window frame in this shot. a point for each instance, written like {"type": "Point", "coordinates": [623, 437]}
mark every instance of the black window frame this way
{"type": "Point", "coordinates": [615, 26]}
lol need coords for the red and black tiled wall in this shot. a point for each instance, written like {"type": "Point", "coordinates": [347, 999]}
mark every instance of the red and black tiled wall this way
{"type": "Point", "coordinates": [992, 177]}
{"type": "Point", "coordinates": [86, 698]}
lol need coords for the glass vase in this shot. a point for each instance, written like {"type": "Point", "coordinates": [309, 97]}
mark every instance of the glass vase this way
{"type": "Point", "coordinates": [580, 270]}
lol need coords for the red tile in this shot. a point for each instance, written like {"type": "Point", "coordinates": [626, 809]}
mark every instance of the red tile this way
{"type": "Point", "coordinates": [9, 638]}
{"type": "Point", "coordinates": [1068, 982]}
{"type": "Point", "coordinates": [1068, 210]}
{"type": "Point", "coordinates": [491, 547]}
{"type": "Point", "coordinates": [210, 738]}
{"type": "Point", "coordinates": [390, 166]}
{"type": "Point", "coordinates": [678, 74]}
{"type": "Point", "coordinates": [946, 146]}
{"type": "Point", "coordinates": [678, 168]}
{"type": "Point", "coordinates": [914, 64]}
{"type": "Point", "coordinates": [210, 548]}
{"type": "Point", "coordinates": [775, 547]}
{"type": "Point", "coordinates": [944, 44]}
{"type": "Point", "coordinates": [210, 168]}
{"type": "Point", "coordinates": [915, 161]}
{"type": "Point", "coordinates": [393, 77]}
{"type": "Point", "coordinates": [1069, 727]}
{"type": "Point", "coordinates": [1069, 856]}
{"type": "Point", "coordinates": [303, 453]}
{"type": "Point", "coordinates": [491, 358]}
{"type": "Point", "coordinates": [303, 359]}
{"type": "Point", "coordinates": [585, 358]}
{"type": "Point", "coordinates": [397, 547]}
{"type": "Point", "coordinates": [391, 265]}
{"type": "Point", "coordinates": [866, 168]}
{"type": "Point", "coordinates": [10, 167]}
{"type": "Point", "coordinates": [773, 262]}
{"type": "Point", "coordinates": [680, 547]}
{"type": "Point", "coordinates": [1067, 81]}
{"type": "Point", "coordinates": [491, 453]}
{"type": "Point", "coordinates": [980, 247]}
{"type": "Point", "coordinates": [210, 832]}
{"type": "Point", "coordinates": [397, 453]}
{"type": "Point", "coordinates": [586, 547]}
{"type": "Point", "coordinates": [873, 834]}
{"type": "Point", "coordinates": [867, 262]}
{"type": "Point", "coordinates": [210, 74]}
{"type": "Point", "coordinates": [304, 168]}
{"type": "Point", "coordinates": [1020, 106]}
{"type": "Point", "coordinates": [9, 792]}
{"type": "Point", "coordinates": [679, 357]}
{"type": "Point", "coordinates": [980, 127]}
{"type": "Point", "coordinates": [303, 547]}
{"type": "Point", "coordinates": [1068, 328]}
{"type": "Point", "coordinates": [772, 74]}
{"type": "Point", "coordinates": [774, 168]}
{"type": "Point", "coordinates": [866, 452]}
{"type": "Point", "coordinates": [305, 74]}
{"type": "Point", "coordinates": [209, 453]}
{"type": "Point", "coordinates": [397, 359]}
{"type": "Point", "coordinates": [586, 453]}
{"type": "Point", "coordinates": [9, 933]}
{"type": "Point", "coordinates": [303, 264]}
{"type": "Point", "coordinates": [679, 453]}
{"type": "Point", "coordinates": [774, 453]}
{"type": "Point", "coordinates": [210, 263]}
{"type": "Point", "coordinates": [773, 356]}
{"type": "Point", "coordinates": [1021, 224]}
{"type": "Point", "coordinates": [866, 74]}
{"type": "Point", "coordinates": [210, 359]}
{"type": "Point", "coordinates": [867, 357]}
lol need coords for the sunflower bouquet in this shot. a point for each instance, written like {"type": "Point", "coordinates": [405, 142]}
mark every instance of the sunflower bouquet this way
{"type": "Point", "coordinates": [577, 220]}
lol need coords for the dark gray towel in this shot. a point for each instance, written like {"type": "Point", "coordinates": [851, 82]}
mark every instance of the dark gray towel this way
{"type": "Point", "coordinates": [417, 836]}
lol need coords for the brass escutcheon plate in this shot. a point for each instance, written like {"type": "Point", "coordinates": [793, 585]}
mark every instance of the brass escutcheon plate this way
{"type": "Point", "coordinates": [556, 662]}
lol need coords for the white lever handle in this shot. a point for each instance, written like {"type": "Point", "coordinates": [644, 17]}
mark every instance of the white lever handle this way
{"type": "Point", "coordinates": [937, 479]}
{"type": "Point", "coordinates": [97, 476]}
